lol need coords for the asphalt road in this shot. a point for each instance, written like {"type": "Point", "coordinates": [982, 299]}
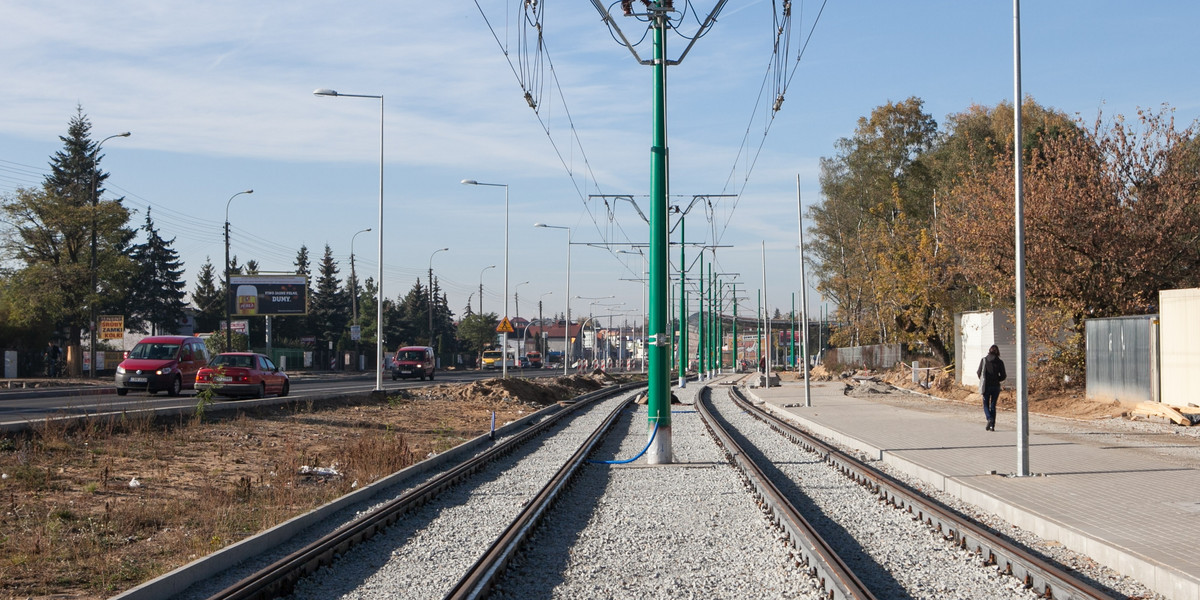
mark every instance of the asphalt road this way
{"type": "Point", "coordinates": [21, 408]}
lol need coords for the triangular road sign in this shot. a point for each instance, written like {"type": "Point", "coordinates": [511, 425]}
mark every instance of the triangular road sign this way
{"type": "Point", "coordinates": [505, 326]}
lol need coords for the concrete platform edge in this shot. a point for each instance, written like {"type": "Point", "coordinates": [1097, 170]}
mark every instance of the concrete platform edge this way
{"type": "Point", "coordinates": [1163, 579]}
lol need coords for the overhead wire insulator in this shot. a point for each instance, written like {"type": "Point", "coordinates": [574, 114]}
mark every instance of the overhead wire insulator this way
{"type": "Point", "coordinates": [627, 7]}
{"type": "Point", "coordinates": [778, 103]}
{"type": "Point", "coordinates": [530, 101]}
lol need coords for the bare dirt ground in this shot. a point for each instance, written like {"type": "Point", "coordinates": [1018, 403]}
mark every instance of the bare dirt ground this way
{"type": "Point", "coordinates": [1069, 404]}
{"type": "Point", "coordinates": [93, 510]}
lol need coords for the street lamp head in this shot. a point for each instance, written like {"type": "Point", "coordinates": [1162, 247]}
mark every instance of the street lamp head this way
{"type": "Point", "coordinates": [126, 134]}
{"type": "Point", "coordinates": [469, 182]}
{"type": "Point", "coordinates": [324, 92]}
{"type": "Point", "coordinates": [247, 192]}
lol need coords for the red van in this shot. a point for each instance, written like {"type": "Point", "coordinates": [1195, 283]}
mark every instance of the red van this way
{"type": "Point", "coordinates": [162, 362]}
{"type": "Point", "coordinates": [413, 361]}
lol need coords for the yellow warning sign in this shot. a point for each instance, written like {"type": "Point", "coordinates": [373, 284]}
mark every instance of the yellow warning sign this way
{"type": "Point", "coordinates": [505, 326]}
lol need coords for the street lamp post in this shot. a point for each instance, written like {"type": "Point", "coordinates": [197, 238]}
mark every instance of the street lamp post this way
{"type": "Point", "coordinates": [228, 289]}
{"type": "Point", "coordinates": [95, 205]}
{"type": "Point", "coordinates": [481, 287]}
{"type": "Point", "coordinates": [567, 322]}
{"type": "Point", "coordinates": [503, 335]}
{"type": "Point", "coordinates": [517, 299]}
{"type": "Point", "coordinates": [354, 291]}
{"type": "Point", "coordinates": [379, 285]}
{"type": "Point", "coordinates": [431, 293]}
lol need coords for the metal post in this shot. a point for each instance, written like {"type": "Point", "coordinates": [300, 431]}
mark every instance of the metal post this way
{"type": "Point", "coordinates": [659, 385]}
{"type": "Point", "coordinates": [95, 205]}
{"type": "Point", "coordinates": [736, 342]}
{"type": "Point", "coordinates": [803, 296]}
{"type": "Point", "coordinates": [701, 368]}
{"type": "Point", "coordinates": [1019, 218]}
{"type": "Point", "coordinates": [683, 337]}
{"type": "Point", "coordinates": [228, 289]}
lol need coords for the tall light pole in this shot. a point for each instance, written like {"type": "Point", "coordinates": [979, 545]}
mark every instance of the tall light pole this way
{"type": "Point", "coordinates": [517, 299]}
{"type": "Point", "coordinates": [595, 337]}
{"type": "Point", "coordinates": [567, 323]}
{"type": "Point", "coordinates": [481, 286]}
{"type": "Point", "coordinates": [95, 205]}
{"type": "Point", "coordinates": [431, 293]}
{"type": "Point", "coordinates": [379, 285]}
{"type": "Point", "coordinates": [503, 335]}
{"type": "Point", "coordinates": [229, 290]}
{"type": "Point", "coordinates": [354, 296]}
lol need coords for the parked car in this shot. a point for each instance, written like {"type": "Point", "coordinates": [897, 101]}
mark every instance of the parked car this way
{"type": "Point", "coordinates": [413, 361]}
{"type": "Point", "coordinates": [525, 362]}
{"type": "Point", "coordinates": [535, 359]}
{"type": "Point", "coordinates": [163, 362]}
{"type": "Point", "coordinates": [243, 374]}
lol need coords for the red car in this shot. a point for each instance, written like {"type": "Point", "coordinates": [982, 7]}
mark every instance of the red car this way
{"type": "Point", "coordinates": [242, 374]}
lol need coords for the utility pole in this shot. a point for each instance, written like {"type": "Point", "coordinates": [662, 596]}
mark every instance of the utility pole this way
{"type": "Point", "coordinates": [659, 385]}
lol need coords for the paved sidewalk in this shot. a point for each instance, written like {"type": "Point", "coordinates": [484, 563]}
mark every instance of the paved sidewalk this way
{"type": "Point", "coordinates": [1122, 506]}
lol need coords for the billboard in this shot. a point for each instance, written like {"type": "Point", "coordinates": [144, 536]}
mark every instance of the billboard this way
{"type": "Point", "coordinates": [259, 295]}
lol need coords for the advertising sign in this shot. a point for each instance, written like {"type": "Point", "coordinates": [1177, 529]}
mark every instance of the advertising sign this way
{"type": "Point", "coordinates": [241, 326]}
{"type": "Point", "coordinates": [259, 295]}
{"type": "Point", "coordinates": [112, 327]}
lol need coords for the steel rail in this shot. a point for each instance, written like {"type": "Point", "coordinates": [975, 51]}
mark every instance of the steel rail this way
{"type": "Point", "coordinates": [824, 564]}
{"type": "Point", "coordinates": [1043, 577]}
{"type": "Point", "coordinates": [279, 578]}
{"type": "Point", "coordinates": [479, 579]}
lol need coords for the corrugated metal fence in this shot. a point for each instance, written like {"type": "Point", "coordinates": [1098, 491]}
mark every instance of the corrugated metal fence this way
{"type": "Point", "coordinates": [1121, 359]}
{"type": "Point", "coordinates": [878, 356]}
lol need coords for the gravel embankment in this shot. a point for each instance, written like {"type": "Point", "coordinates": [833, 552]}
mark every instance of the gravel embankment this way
{"type": "Point", "coordinates": [685, 530]}
{"type": "Point", "coordinates": [425, 553]}
{"type": "Point", "coordinates": [895, 555]}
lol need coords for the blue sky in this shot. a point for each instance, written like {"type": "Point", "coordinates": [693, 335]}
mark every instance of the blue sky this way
{"type": "Point", "coordinates": [218, 96]}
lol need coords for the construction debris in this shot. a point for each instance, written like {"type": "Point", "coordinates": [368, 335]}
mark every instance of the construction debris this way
{"type": "Point", "coordinates": [1180, 416]}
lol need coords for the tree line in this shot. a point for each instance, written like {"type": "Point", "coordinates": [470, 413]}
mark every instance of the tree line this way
{"type": "Point", "coordinates": [917, 224]}
{"type": "Point", "coordinates": [46, 279]}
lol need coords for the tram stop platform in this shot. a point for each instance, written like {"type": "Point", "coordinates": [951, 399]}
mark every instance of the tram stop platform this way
{"type": "Point", "coordinates": [1120, 504]}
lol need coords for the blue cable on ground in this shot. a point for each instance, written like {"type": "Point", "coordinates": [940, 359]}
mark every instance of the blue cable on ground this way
{"type": "Point", "coordinates": [639, 454]}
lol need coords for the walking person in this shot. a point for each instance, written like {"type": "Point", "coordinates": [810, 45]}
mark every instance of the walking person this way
{"type": "Point", "coordinates": [991, 372]}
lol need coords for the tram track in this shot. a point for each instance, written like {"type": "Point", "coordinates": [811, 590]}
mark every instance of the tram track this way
{"type": "Point", "coordinates": [1041, 577]}
{"type": "Point", "coordinates": [281, 578]}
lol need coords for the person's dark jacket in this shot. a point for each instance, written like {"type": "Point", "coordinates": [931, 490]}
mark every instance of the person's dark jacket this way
{"type": "Point", "coordinates": [991, 371]}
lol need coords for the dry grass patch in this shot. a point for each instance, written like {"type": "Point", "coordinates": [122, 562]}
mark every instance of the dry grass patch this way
{"type": "Point", "coordinates": [92, 509]}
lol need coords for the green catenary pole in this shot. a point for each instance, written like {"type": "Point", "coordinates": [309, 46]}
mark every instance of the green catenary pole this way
{"type": "Point", "coordinates": [736, 341]}
{"type": "Point", "coordinates": [659, 392]}
{"type": "Point", "coordinates": [701, 334]}
{"type": "Point", "coordinates": [721, 326]}
{"type": "Point", "coordinates": [683, 336]}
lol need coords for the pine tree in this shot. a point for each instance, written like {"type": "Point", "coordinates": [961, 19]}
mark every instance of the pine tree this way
{"type": "Point", "coordinates": [157, 296]}
{"type": "Point", "coordinates": [208, 299]}
{"type": "Point", "coordinates": [51, 233]}
{"type": "Point", "coordinates": [329, 311]}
